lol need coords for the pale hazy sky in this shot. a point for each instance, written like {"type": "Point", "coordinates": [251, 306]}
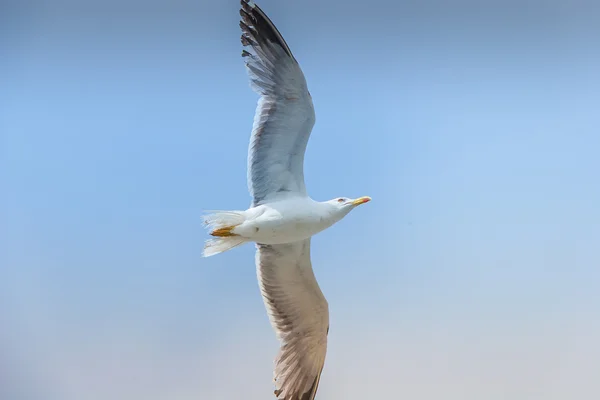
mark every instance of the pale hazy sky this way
{"type": "Point", "coordinates": [473, 274]}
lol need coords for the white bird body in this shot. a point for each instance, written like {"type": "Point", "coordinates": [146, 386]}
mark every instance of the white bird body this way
{"type": "Point", "coordinates": [285, 221]}
{"type": "Point", "coordinates": [282, 218]}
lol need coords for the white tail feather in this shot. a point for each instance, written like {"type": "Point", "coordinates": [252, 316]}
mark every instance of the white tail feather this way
{"type": "Point", "coordinates": [222, 219]}
{"type": "Point", "coordinates": [219, 245]}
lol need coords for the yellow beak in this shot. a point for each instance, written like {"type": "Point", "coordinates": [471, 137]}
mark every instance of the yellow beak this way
{"type": "Point", "coordinates": [361, 200]}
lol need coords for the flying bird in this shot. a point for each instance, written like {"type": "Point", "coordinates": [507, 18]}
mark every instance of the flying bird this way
{"type": "Point", "coordinates": [282, 217]}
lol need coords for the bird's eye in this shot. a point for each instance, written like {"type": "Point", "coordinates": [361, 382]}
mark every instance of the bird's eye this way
{"type": "Point", "coordinates": [340, 200]}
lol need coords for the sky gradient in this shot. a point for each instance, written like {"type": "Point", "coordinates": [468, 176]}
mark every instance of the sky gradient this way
{"type": "Point", "coordinates": [473, 274]}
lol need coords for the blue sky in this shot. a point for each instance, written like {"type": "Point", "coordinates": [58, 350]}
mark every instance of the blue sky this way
{"type": "Point", "coordinates": [472, 274]}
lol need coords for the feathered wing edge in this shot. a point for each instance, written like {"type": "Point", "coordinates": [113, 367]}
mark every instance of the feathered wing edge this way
{"type": "Point", "coordinates": [285, 113]}
{"type": "Point", "coordinates": [299, 314]}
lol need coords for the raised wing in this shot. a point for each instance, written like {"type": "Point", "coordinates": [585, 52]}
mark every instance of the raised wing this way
{"type": "Point", "coordinates": [299, 314]}
{"type": "Point", "coordinates": [285, 114]}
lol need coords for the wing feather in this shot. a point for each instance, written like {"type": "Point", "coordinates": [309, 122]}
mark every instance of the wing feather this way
{"type": "Point", "coordinates": [284, 115]}
{"type": "Point", "coordinates": [299, 314]}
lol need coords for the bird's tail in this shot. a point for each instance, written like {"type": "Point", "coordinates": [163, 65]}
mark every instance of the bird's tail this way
{"type": "Point", "coordinates": [221, 225]}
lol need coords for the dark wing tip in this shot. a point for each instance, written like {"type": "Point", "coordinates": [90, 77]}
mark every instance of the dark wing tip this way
{"type": "Point", "coordinates": [258, 29]}
{"type": "Point", "coordinates": [308, 395]}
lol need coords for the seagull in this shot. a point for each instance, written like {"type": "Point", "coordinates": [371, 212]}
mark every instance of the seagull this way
{"type": "Point", "coordinates": [282, 217]}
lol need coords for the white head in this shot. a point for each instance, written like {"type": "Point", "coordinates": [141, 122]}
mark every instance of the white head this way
{"type": "Point", "coordinates": [341, 206]}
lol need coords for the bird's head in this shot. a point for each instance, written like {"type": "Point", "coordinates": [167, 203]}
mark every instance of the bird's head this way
{"type": "Point", "coordinates": [344, 205]}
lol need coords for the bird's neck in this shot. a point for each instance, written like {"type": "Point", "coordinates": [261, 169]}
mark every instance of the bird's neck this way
{"type": "Point", "coordinates": [331, 213]}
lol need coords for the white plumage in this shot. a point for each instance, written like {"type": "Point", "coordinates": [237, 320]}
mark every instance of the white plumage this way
{"type": "Point", "coordinates": [282, 218]}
